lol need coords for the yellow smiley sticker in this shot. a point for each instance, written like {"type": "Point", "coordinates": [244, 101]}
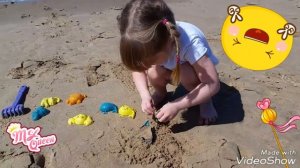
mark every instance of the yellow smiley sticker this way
{"type": "Point", "coordinates": [256, 38]}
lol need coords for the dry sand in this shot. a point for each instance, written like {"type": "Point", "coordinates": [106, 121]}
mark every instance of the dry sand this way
{"type": "Point", "coordinates": [58, 48]}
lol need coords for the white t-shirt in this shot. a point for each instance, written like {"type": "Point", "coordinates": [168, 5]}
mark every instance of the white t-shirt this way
{"type": "Point", "coordinates": [193, 46]}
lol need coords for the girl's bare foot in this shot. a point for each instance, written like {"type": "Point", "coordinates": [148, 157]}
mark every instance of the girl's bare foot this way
{"type": "Point", "coordinates": [208, 113]}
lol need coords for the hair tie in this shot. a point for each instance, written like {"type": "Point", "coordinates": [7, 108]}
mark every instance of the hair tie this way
{"type": "Point", "coordinates": [164, 21]}
{"type": "Point", "coordinates": [177, 59]}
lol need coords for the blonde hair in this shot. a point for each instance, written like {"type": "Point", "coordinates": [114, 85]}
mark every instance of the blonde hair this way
{"type": "Point", "coordinates": [174, 35]}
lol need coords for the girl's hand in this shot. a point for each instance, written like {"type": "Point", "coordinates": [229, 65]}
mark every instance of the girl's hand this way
{"type": "Point", "coordinates": [147, 105]}
{"type": "Point", "coordinates": [167, 112]}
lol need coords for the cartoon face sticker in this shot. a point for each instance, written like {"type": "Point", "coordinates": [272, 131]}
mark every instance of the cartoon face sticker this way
{"type": "Point", "coordinates": [256, 38]}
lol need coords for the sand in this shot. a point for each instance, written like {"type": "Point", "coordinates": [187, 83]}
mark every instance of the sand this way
{"type": "Point", "coordinates": [58, 48]}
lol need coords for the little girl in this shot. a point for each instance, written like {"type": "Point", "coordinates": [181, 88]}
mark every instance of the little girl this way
{"type": "Point", "coordinates": [160, 51]}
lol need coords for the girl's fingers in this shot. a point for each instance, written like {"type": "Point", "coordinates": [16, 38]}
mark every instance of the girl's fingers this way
{"type": "Point", "coordinates": [149, 111]}
{"type": "Point", "coordinates": [159, 114]}
{"type": "Point", "coordinates": [152, 109]}
{"type": "Point", "coordinates": [164, 118]}
{"type": "Point", "coordinates": [148, 105]}
{"type": "Point", "coordinates": [145, 110]}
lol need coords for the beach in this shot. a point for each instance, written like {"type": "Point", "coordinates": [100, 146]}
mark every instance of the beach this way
{"type": "Point", "coordinates": [62, 47]}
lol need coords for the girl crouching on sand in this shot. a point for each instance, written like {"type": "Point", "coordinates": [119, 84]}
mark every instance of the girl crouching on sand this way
{"type": "Point", "coordinates": [159, 50]}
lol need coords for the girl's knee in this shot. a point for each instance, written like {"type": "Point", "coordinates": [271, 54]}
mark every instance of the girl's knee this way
{"type": "Point", "coordinates": [152, 73]}
{"type": "Point", "coordinates": [158, 75]}
{"type": "Point", "coordinates": [188, 76]}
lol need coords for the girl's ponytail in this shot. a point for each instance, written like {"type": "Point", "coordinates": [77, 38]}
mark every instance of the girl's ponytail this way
{"type": "Point", "coordinates": [174, 35]}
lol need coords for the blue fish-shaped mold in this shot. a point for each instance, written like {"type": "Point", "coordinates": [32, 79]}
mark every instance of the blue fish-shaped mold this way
{"type": "Point", "coordinates": [39, 112]}
{"type": "Point", "coordinates": [107, 107]}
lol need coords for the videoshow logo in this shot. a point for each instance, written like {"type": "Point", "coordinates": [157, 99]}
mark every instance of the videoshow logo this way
{"type": "Point", "coordinates": [29, 137]}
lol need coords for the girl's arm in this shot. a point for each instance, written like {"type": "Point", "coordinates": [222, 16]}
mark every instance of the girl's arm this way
{"type": "Point", "coordinates": [209, 86]}
{"type": "Point", "coordinates": [141, 83]}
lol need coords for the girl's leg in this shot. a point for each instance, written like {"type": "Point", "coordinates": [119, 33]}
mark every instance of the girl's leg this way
{"type": "Point", "coordinates": [159, 77]}
{"type": "Point", "coordinates": [190, 80]}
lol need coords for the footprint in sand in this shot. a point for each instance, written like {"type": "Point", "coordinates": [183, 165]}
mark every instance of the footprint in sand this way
{"type": "Point", "coordinates": [100, 71]}
{"type": "Point", "coordinates": [97, 72]}
{"type": "Point", "coordinates": [30, 68]}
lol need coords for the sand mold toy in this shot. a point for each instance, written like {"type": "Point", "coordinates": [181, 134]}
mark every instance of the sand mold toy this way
{"type": "Point", "coordinates": [81, 119]}
{"type": "Point", "coordinates": [126, 111]}
{"type": "Point", "coordinates": [75, 98]}
{"type": "Point", "coordinates": [50, 101]}
{"type": "Point", "coordinates": [39, 112]}
{"type": "Point", "coordinates": [107, 107]}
